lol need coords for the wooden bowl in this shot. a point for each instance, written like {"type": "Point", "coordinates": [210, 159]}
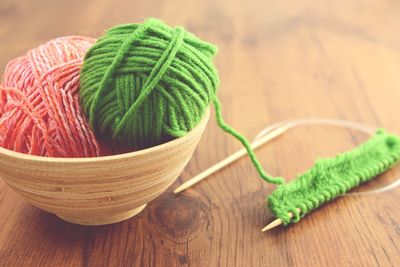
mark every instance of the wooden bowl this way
{"type": "Point", "coordinates": [102, 190]}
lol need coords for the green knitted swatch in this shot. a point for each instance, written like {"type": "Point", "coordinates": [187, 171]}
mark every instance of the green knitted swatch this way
{"type": "Point", "coordinates": [332, 177]}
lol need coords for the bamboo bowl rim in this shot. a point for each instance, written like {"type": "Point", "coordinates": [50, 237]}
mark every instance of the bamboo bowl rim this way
{"type": "Point", "coordinates": [34, 158]}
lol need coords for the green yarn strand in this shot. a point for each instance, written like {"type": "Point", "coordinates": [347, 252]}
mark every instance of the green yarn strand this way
{"type": "Point", "coordinates": [152, 80]}
{"type": "Point", "coordinates": [332, 177]}
{"type": "Point", "coordinates": [246, 144]}
{"type": "Point", "coordinates": [109, 72]}
{"type": "Point", "coordinates": [145, 84]}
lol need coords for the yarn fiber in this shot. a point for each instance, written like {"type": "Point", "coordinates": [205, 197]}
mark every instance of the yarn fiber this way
{"type": "Point", "coordinates": [145, 84]}
{"type": "Point", "coordinates": [40, 113]}
{"type": "Point", "coordinates": [332, 177]}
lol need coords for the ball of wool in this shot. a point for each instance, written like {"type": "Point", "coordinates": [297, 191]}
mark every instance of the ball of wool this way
{"type": "Point", "coordinates": [144, 84]}
{"type": "Point", "coordinates": [40, 112]}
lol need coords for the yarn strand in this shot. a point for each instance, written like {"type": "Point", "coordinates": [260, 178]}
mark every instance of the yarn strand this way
{"type": "Point", "coordinates": [224, 126]}
{"type": "Point", "coordinates": [146, 84]}
{"type": "Point", "coordinates": [156, 74]}
{"type": "Point", "coordinates": [177, 82]}
{"type": "Point", "coordinates": [39, 102]}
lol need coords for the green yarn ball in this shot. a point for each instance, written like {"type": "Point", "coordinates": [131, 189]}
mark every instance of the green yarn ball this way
{"type": "Point", "coordinates": [145, 84]}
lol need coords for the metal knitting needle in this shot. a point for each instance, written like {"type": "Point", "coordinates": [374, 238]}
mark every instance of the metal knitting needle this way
{"type": "Point", "coordinates": [259, 142]}
{"type": "Point", "coordinates": [276, 222]}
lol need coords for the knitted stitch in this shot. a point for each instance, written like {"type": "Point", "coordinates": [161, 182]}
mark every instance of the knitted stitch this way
{"type": "Point", "coordinates": [332, 177]}
{"type": "Point", "coordinates": [145, 84]}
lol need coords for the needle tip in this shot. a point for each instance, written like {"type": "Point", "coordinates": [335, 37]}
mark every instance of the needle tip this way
{"type": "Point", "coordinates": [273, 224]}
{"type": "Point", "coordinates": [178, 190]}
{"type": "Point", "coordinates": [266, 228]}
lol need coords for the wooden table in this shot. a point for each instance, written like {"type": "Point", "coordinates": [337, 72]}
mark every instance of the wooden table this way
{"type": "Point", "coordinates": [277, 60]}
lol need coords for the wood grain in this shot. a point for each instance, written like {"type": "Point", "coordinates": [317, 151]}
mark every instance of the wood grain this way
{"type": "Point", "coordinates": [277, 60]}
{"type": "Point", "coordinates": [99, 190]}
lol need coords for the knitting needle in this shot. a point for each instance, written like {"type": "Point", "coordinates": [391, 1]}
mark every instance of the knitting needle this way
{"type": "Point", "coordinates": [268, 137]}
{"type": "Point", "coordinates": [276, 222]}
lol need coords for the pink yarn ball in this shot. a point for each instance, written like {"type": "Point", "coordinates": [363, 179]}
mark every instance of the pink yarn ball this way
{"type": "Point", "coordinates": [40, 112]}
